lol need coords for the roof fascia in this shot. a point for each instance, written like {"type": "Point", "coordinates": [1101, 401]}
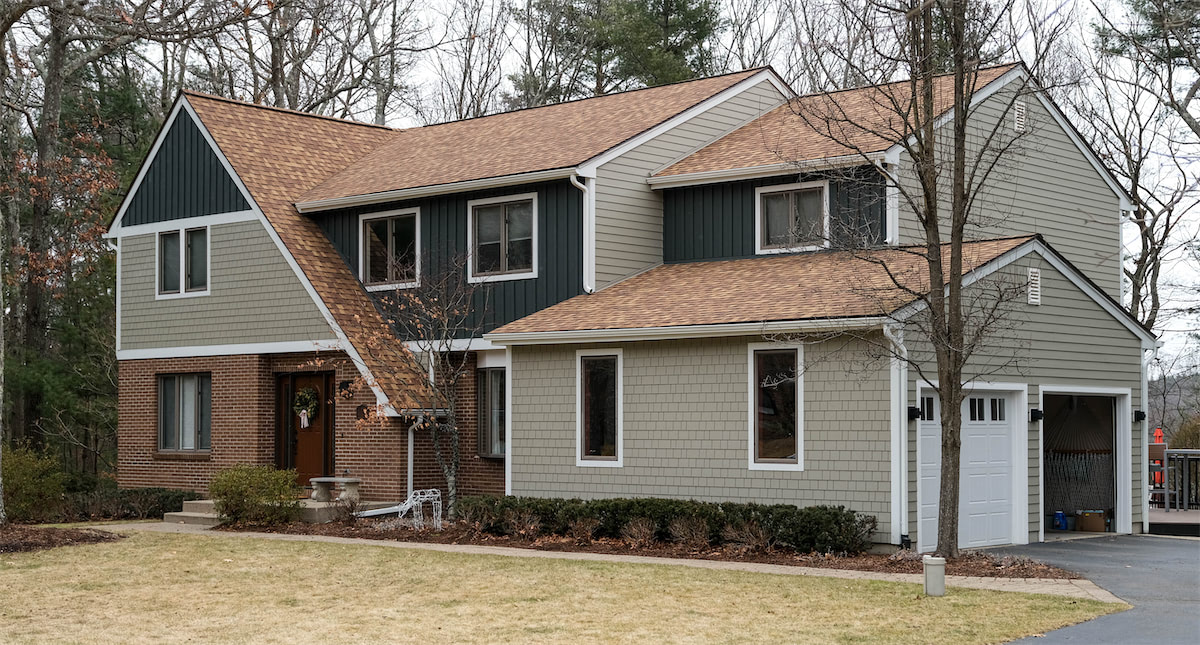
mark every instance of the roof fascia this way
{"type": "Point", "coordinates": [1021, 72]}
{"type": "Point", "coordinates": [588, 168]}
{"type": "Point", "coordinates": [180, 101]}
{"type": "Point", "coordinates": [630, 334]}
{"type": "Point", "coordinates": [755, 172]}
{"type": "Point", "coordinates": [435, 189]}
{"type": "Point", "coordinates": [381, 398]}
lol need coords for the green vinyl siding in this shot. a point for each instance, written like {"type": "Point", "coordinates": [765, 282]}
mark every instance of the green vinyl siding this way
{"type": "Point", "coordinates": [444, 235]}
{"type": "Point", "coordinates": [716, 221]}
{"type": "Point", "coordinates": [185, 179]}
{"type": "Point", "coordinates": [254, 296]}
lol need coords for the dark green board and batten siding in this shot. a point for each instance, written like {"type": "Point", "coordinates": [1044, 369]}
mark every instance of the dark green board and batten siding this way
{"type": "Point", "coordinates": [186, 179]}
{"type": "Point", "coordinates": [716, 221]}
{"type": "Point", "coordinates": [444, 234]}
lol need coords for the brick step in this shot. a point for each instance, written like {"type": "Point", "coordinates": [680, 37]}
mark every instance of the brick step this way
{"type": "Point", "coordinates": [198, 519]}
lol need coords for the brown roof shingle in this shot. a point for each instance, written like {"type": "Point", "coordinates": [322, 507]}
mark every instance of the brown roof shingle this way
{"type": "Point", "coordinates": [544, 138]}
{"type": "Point", "coordinates": [820, 126]}
{"type": "Point", "coordinates": [807, 286]}
{"type": "Point", "coordinates": [279, 154]}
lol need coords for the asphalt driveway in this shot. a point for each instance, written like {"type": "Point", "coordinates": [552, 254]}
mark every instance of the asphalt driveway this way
{"type": "Point", "coordinates": [1159, 576]}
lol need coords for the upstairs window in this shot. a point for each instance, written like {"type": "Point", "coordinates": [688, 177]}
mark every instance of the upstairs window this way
{"type": "Point", "coordinates": [503, 237]}
{"type": "Point", "coordinates": [184, 411]}
{"type": "Point", "coordinates": [793, 217]}
{"type": "Point", "coordinates": [183, 262]}
{"type": "Point", "coordinates": [389, 250]}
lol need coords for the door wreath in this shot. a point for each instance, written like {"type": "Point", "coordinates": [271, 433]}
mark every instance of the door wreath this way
{"type": "Point", "coordinates": [307, 406]}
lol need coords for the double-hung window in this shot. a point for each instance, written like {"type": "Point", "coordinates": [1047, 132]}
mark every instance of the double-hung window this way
{"type": "Point", "coordinates": [389, 249]}
{"type": "Point", "coordinates": [598, 407]}
{"type": "Point", "coordinates": [793, 217]}
{"type": "Point", "coordinates": [776, 408]}
{"type": "Point", "coordinates": [503, 237]}
{"type": "Point", "coordinates": [489, 386]}
{"type": "Point", "coordinates": [184, 411]}
{"type": "Point", "coordinates": [183, 262]}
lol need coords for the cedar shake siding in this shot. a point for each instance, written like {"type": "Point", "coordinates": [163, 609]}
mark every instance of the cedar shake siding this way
{"type": "Point", "coordinates": [254, 296]}
{"type": "Point", "coordinates": [685, 427]}
{"type": "Point", "coordinates": [243, 428]}
{"type": "Point", "coordinates": [629, 215]}
{"type": "Point", "coordinates": [443, 229]}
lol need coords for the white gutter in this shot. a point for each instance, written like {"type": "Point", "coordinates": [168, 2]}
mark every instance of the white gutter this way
{"type": "Point", "coordinates": [899, 417]}
{"type": "Point", "coordinates": [587, 186]}
{"type": "Point", "coordinates": [435, 189]}
{"type": "Point", "coordinates": [771, 170]}
{"type": "Point", "coordinates": [682, 331]}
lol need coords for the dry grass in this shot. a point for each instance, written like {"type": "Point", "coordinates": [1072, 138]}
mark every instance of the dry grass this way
{"type": "Point", "coordinates": [160, 588]}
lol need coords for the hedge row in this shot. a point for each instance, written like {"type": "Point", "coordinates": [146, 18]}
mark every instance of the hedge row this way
{"type": "Point", "coordinates": [821, 529]}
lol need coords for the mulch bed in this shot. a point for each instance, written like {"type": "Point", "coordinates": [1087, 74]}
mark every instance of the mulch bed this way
{"type": "Point", "coordinates": [16, 538]}
{"type": "Point", "coordinates": [980, 564]}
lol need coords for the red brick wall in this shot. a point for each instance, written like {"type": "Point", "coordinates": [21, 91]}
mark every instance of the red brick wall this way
{"type": "Point", "coordinates": [243, 428]}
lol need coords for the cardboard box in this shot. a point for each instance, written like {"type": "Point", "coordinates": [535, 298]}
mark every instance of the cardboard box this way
{"type": "Point", "coordinates": [1090, 521]}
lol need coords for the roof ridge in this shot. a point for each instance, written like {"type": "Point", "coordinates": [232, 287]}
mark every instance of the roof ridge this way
{"type": "Point", "coordinates": [903, 80]}
{"type": "Point", "coordinates": [272, 108]}
{"type": "Point", "coordinates": [750, 72]}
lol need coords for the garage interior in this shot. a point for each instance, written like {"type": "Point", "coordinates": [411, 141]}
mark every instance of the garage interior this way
{"type": "Point", "coordinates": [1079, 436]}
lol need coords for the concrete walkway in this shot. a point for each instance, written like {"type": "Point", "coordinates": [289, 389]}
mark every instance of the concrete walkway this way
{"type": "Point", "coordinates": [1070, 588]}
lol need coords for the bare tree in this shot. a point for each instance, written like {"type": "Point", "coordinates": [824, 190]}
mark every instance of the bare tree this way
{"type": "Point", "coordinates": [469, 69]}
{"type": "Point", "coordinates": [756, 32]}
{"type": "Point", "coordinates": [840, 44]}
{"type": "Point", "coordinates": [951, 155]}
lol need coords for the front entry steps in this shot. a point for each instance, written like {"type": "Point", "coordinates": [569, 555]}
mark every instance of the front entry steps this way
{"type": "Point", "coordinates": [200, 512]}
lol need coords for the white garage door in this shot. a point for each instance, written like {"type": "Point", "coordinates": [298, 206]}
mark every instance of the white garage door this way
{"type": "Point", "coordinates": [985, 477]}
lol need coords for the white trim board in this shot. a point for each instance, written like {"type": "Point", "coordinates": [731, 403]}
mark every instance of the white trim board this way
{"type": "Point", "coordinates": [281, 347]}
{"type": "Point", "coordinates": [188, 222]}
{"type": "Point", "coordinates": [683, 331]}
{"type": "Point", "coordinates": [755, 172]}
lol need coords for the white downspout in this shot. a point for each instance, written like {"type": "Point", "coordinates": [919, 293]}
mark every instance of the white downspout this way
{"type": "Point", "coordinates": [587, 186]}
{"type": "Point", "coordinates": [899, 416]}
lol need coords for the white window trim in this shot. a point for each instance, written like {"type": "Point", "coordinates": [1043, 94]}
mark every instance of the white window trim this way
{"type": "Point", "coordinates": [782, 188]}
{"type": "Point", "coordinates": [362, 255]}
{"type": "Point", "coordinates": [500, 277]}
{"type": "Point", "coordinates": [600, 463]}
{"type": "Point", "coordinates": [183, 292]}
{"type": "Point", "coordinates": [751, 380]}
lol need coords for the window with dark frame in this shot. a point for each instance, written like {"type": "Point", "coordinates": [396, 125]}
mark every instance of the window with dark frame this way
{"type": "Point", "coordinates": [389, 249]}
{"type": "Point", "coordinates": [503, 237]}
{"type": "Point", "coordinates": [184, 411]}
{"type": "Point", "coordinates": [183, 267]}
{"type": "Point", "coordinates": [776, 427]}
{"type": "Point", "coordinates": [489, 387]}
{"type": "Point", "coordinates": [598, 384]}
{"type": "Point", "coordinates": [793, 218]}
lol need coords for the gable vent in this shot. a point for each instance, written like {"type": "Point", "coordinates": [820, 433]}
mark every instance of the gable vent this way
{"type": "Point", "coordinates": [1019, 115]}
{"type": "Point", "coordinates": [1035, 286]}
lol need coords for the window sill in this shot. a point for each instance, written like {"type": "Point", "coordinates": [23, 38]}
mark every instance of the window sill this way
{"type": "Point", "coordinates": [392, 286]}
{"type": "Point", "coordinates": [183, 455]}
{"type": "Point", "coordinates": [490, 457]}
{"type": "Point", "coordinates": [502, 277]}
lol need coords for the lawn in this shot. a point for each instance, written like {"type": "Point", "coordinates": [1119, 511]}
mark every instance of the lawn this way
{"type": "Point", "coordinates": [162, 588]}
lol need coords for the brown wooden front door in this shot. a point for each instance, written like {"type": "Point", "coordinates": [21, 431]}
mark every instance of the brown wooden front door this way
{"type": "Point", "coordinates": [304, 424]}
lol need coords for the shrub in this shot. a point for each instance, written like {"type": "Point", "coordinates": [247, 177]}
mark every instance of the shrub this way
{"type": "Point", "coordinates": [106, 501]}
{"type": "Point", "coordinates": [522, 523]}
{"type": "Point", "coordinates": [256, 495]}
{"type": "Point", "coordinates": [825, 529]}
{"type": "Point", "coordinates": [34, 486]}
{"type": "Point", "coordinates": [583, 529]}
{"type": "Point", "coordinates": [639, 532]}
{"type": "Point", "coordinates": [746, 537]}
{"type": "Point", "coordinates": [689, 531]}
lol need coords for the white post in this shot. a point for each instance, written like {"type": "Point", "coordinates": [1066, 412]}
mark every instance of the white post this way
{"type": "Point", "coordinates": [935, 576]}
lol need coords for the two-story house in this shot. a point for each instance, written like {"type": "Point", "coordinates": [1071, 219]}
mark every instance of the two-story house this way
{"type": "Point", "coordinates": [693, 293]}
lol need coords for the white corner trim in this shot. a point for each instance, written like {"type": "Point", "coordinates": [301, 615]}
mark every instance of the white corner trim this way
{"type": "Point", "coordinates": [751, 407]}
{"type": "Point", "coordinates": [898, 416]}
{"type": "Point", "coordinates": [435, 189]}
{"type": "Point", "coordinates": [345, 344]}
{"type": "Point", "coordinates": [760, 191]}
{"type": "Point", "coordinates": [183, 292]}
{"type": "Point", "coordinates": [282, 347]}
{"type": "Point", "coordinates": [508, 420]}
{"type": "Point", "coordinates": [579, 458]}
{"type": "Point", "coordinates": [500, 277]}
{"type": "Point", "coordinates": [588, 168]}
{"type": "Point", "coordinates": [117, 295]}
{"type": "Point", "coordinates": [362, 249]}
{"type": "Point", "coordinates": [683, 331]}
